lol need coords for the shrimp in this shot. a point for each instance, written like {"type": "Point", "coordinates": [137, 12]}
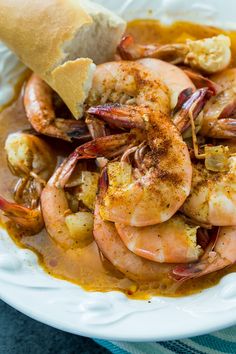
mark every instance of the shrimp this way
{"type": "Point", "coordinates": [174, 78]}
{"type": "Point", "coordinates": [31, 159]}
{"type": "Point", "coordinates": [129, 50]}
{"type": "Point", "coordinates": [54, 202]}
{"type": "Point", "coordinates": [112, 247]}
{"type": "Point", "coordinates": [154, 190]}
{"type": "Point", "coordinates": [218, 119]}
{"type": "Point", "coordinates": [210, 55]}
{"type": "Point", "coordinates": [173, 241]}
{"type": "Point", "coordinates": [213, 195]}
{"type": "Point", "coordinates": [154, 193]}
{"type": "Point", "coordinates": [29, 219]}
{"type": "Point", "coordinates": [194, 103]}
{"type": "Point", "coordinates": [39, 109]}
{"type": "Point", "coordinates": [220, 254]}
{"type": "Point", "coordinates": [128, 83]}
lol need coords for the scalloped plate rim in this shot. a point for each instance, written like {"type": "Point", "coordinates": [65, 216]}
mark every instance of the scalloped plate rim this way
{"type": "Point", "coordinates": [191, 322]}
{"type": "Point", "coordinates": [179, 334]}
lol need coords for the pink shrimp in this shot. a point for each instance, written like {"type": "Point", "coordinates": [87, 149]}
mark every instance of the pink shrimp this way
{"type": "Point", "coordinates": [173, 241]}
{"type": "Point", "coordinates": [54, 202]}
{"type": "Point", "coordinates": [40, 112]}
{"type": "Point", "coordinates": [218, 255]}
{"type": "Point", "coordinates": [29, 219]}
{"type": "Point", "coordinates": [112, 247]}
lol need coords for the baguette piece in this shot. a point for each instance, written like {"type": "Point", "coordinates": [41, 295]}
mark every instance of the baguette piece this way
{"type": "Point", "coordinates": [73, 81]}
{"type": "Point", "coordinates": [60, 40]}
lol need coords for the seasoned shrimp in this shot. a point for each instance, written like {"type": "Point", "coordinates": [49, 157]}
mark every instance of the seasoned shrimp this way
{"type": "Point", "coordinates": [129, 50]}
{"type": "Point", "coordinates": [128, 83]}
{"type": "Point", "coordinates": [173, 241]}
{"type": "Point", "coordinates": [29, 219]}
{"type": "Point", "coordinates": [57, 215]}
{"type": "Point", "coordinates": [213, 195]}
{"type": "Point", "coordinates": [28, 154]}
{"type": "Point", "coordinates": [154, 190]}
{"type": "Point", "coordinates": [112, 247]}
{"type": "Point", "coordinates": [153, 193]}
{"type": "Point", "coordinates": [39, 109]}
{"type": "Point", "coordinates": [174, 78]}
{"type": "Point", "coordinates": [218, 119]}
{"type": "Point", "coordinates": [31, 159]}
{"type": "Point", "coordinates": [210, 55]}
{"type": "Point", "coordinates": [218, 255]}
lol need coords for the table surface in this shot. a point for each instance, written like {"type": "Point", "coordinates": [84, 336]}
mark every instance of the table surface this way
{"type": "Point", "coordinates": [20, 334]}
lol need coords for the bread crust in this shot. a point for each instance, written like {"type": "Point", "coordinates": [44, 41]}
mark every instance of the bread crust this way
{"type": "Point", "coordinates": [73, 80]}
{"type": "Point", "coordinates": [54, 21]}
{"type": "Point", "coordinates": [55, 37]}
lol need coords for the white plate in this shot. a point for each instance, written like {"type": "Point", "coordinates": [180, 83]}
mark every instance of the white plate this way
{"type": "Point", "coordinates": [63, 305]}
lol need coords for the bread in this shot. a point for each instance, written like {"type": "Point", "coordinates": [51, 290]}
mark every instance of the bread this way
{"type": "Point", "coordinates": [73, 81]}
{"type": "Point", "coordinates": [60, 40]}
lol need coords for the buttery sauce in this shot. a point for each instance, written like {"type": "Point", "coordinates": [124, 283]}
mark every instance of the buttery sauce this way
{"type": "Point", "coordinates": [86, 266]}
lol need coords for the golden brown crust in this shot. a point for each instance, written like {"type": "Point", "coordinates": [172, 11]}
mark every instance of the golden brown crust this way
{"type": "Point", "coordinates": [36, 30]}
{"type": "Point", "coordinates": [73, 80]}
{"type": "Point", "coordinates": [58, 39]}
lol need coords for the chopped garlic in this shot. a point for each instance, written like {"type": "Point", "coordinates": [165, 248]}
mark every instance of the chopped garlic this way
{"type": "Point", "coordinates": [86, 192]}
{"type": "Point", "coordinates": [217, 158]}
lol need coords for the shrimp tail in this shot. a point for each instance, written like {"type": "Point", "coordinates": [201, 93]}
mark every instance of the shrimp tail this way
{"type": "Point", "coordinates": [120, 116]}
{"type": "Point", "coordinates": [182, 98]}
{"type": "Point", "coordinates": [29, 219]}
{"type": "Point", "coordinates": [201, 81]}
{"type": "Point", "coordinates": [196, 102]}
{"type": "Point", "coordinates": [189, 271]}
{"type": "Point", "coordinates": [173, 53]}
{"type": "Point", "coordinates": [124, 49]}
